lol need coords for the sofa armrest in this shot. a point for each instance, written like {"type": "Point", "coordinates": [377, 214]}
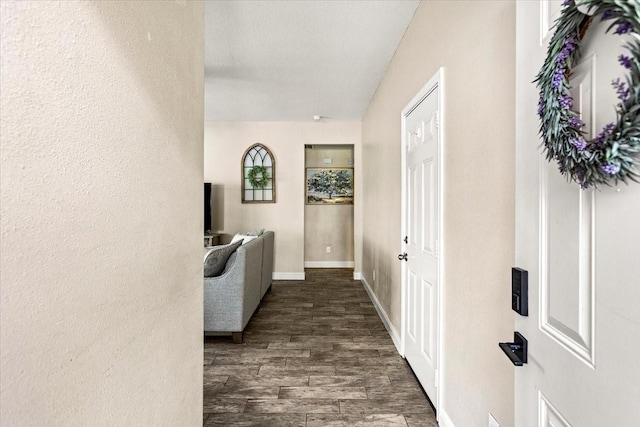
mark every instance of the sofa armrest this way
{"type": "Point", "coordinates": [267, 262]}
{"type": "Point", "coordinates": [252, 277]}
{"type": "Point", "coordinates": [231, 298]}
{"type": "Point", "coordinates": [223, 298]}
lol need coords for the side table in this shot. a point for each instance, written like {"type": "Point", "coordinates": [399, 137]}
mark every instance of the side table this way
{"type": "Point", "coordinates": [212, 239]}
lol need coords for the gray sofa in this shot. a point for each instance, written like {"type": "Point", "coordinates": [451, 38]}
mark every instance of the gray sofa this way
{"type": "Point", "coordinates": [231, 298]}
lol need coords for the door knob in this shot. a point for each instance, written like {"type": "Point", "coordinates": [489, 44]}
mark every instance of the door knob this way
{"type": "Point", "coordinates": [403, 257]}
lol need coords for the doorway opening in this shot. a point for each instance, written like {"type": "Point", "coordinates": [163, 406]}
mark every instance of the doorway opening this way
{"type": "Point", "coordinates": [328, 209]}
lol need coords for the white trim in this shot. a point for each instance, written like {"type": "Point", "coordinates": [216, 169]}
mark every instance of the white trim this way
{"type": "Point", "coordinates": [280, 275]}
{"type": "Point", "coordinates": [443, 419]}
{"type": "Point", "coordinates": [329, 264]}
{"type": "Point", "coordinates": [436, 81]}
{"type": "Point", "coordinates": [443, 244]}
{"type": "Point", "coordinates": [357, 275]}
{"type": "Point", "coordinates": [395, 337]}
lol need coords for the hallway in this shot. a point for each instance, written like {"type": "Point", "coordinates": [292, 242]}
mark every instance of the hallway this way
{"type": "Point", "coordinates": [316, 354]}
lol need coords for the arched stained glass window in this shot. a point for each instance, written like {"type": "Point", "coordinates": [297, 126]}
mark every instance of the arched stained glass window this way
{"type": "Point", "coordinates": [258, 175]}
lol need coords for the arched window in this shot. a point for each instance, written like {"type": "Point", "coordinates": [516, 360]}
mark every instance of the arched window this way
{"type": "Point", "coordinates": [258, 175]}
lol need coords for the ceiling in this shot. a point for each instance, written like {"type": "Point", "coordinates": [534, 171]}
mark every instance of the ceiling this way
{"type": "Point", "coordinates": [290, 60]}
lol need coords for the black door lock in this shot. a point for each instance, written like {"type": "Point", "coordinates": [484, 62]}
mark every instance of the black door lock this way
{"type": "Point", "coordinates": [516, 351]}
{"type": "Point", "coordinates": [403, 257]}
{"type": "Point", "coordinates": [520, 291]}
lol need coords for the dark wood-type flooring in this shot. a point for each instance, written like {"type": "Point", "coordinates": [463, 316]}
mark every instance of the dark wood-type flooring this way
{"type": "Point", "coordinates": [316, 354]}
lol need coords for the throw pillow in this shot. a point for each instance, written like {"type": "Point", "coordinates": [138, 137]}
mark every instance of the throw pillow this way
{"type": "Point", "coordinates": [217, 257]}
{"type": "Point", "coordinates": [242, 238]}
{"type": "Point", "coordinates": [253, 233]}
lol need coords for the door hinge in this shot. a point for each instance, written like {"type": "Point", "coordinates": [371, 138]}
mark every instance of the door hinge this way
{"type": "Point", "coordinates": [437, 248]}
{"type": "Point", "coordinates": [436, 378]}
{"type": "Point", "coordinates": [437, 119]}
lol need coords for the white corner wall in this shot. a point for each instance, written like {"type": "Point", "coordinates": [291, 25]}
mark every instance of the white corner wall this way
{"type": "Point", "coordinates": [101, 213]}
{"type": "Point", "coordinates": [225, 142]}
{"type": "Point", "coordinates": [475, 43]}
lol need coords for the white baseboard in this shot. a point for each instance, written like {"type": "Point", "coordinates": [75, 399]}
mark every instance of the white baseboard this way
{"type": "Point", "coordinates": [443, 418]}
{"type": "Point", "coordinates": [283, 275]}
{"type": "Point", "coordinates": [357, 275]}
{"type": "Point", "coordinates": [383, 316]}
{"type": "Point", "coordinates": [329, 264]}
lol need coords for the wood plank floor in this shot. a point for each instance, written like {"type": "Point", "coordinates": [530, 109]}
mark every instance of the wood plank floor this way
{"type": "Point", "coordinates": [316, 354]}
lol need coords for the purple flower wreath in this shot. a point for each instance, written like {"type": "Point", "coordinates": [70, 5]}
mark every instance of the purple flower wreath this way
{"type": "Point", "coordinates": [612, 155]}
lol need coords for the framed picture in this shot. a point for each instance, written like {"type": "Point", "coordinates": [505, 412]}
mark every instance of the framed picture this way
{"type": "Point", "coordinates": [329, 186]}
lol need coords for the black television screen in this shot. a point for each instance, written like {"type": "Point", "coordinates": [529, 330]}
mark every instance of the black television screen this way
{"type": "Point", "coordinates": [207, 206]}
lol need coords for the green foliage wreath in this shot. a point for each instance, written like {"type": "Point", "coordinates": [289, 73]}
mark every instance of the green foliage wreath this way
{"type": "Point", "coordinates": [612, 154]}
{"type": "Point", "coordinates": [258, 177]}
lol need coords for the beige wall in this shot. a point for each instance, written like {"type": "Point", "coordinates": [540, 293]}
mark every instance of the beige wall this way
{"type": "Point", "coordinates": [225, 142]}
{"type": "Point", "coordinates": [101, 201]}
{"type": "Point", "coordinates": [324, 225]}
{"type": "Point", "coordinates": [475, 42]}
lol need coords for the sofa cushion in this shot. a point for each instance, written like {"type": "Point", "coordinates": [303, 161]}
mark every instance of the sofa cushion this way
{"type": "Point", "coordinates": [216, 258]}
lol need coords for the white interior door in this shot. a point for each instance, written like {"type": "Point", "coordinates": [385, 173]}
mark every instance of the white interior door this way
{"type": "Point", "coordinates": [421, 226]}
{"type": "Point", "coordinates": [581, 250]}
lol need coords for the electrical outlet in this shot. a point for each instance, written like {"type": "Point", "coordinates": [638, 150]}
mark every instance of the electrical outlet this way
{"type": "Point", "coordinates": [328, 249]}
{"type": "Point", "coordinates": [492, 421]}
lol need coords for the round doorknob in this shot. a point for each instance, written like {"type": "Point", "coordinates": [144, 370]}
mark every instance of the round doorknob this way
{"type": "Point", "coordinates": [403, 257]}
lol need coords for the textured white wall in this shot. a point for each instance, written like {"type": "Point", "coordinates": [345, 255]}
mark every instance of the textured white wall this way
{"type": "Point", "coordinates": [101, 213]}
{"type": "Point", "coordinates": [475, 42]}
{"type": "Point", "coordinates": [328, 225]}
{"type": "Point", "coordinates": [225, 142]}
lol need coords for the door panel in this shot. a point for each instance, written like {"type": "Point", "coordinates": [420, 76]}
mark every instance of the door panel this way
{"type": "Point", "coordinates": [428, 307]}
{"type": "Point", "coordinates": [567, 288]}
{"type": "Point", "coordinates": [421, 226]}
{"type": "Point", "coordinates": [549, 415]}
{"type": "Point", "coordinates": [581, 249]}
{"type": "Point", "coordinates": [428, 219]}
{"type": "Point", "coordinates": [413, 202]}
{"type": "Point", "coordinates": [413, 303]}
{"type": "Point", "coordinates": [549, 12]}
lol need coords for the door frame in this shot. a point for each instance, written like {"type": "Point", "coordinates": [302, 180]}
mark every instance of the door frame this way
{"type": "Point", "coordinates": [354, 217]}
{"type": "Point", "coordinates": [435, 82]}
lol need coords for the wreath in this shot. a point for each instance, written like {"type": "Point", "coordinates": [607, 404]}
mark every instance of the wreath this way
{"type": "Point", "coordinates": [258, 177]}
{"type": "Point", "coordinates": [611, 155]}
